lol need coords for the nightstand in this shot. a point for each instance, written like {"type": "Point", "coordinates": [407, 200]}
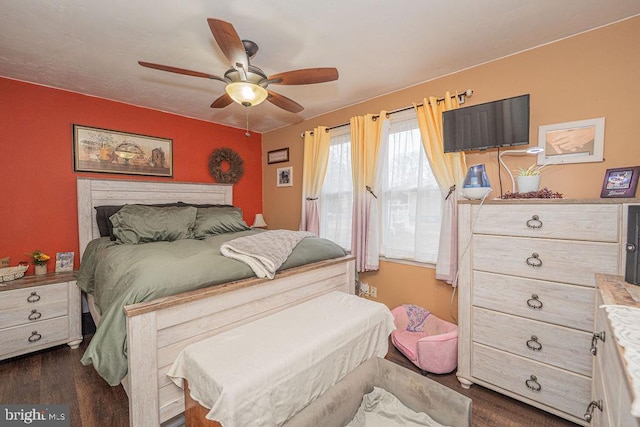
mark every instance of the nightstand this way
{"type": "Point", "coordinates": [38, 312]}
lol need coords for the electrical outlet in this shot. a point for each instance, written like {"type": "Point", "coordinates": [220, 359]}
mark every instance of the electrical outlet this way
{"type": "Point", "coordinates": [364, 288]}
{"type": "Point", "coordinates": [373, 292]}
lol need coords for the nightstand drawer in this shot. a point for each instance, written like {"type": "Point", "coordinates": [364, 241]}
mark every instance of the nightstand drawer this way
{"type": "Point", "coordinates": [552, 302]}
{"type": "Point", "coordinates": [534, 340]}
{"type": "Point", "coordinates": [546, 259]}
{"type": "Point", "coordinates": [33, 296]}
{"type": "Point", "coordinates": [557, 388]}
{"type": "Point", "coordinates": [595, 222]}
{"type": "Point", "coordinates": [31, 313]}
{"type": "Point", "coordinates": [34, 335]}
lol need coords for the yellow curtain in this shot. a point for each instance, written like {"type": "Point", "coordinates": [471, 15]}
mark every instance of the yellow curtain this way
{"type": "Point", "coordinates": [449, 170]}
{"type": "Point", "coordinates": [316, 159]}
{"type": "Point", "coordinates": [366, 135]}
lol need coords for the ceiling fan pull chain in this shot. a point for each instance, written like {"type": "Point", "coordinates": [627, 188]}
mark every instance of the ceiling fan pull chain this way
{"type": "Point", "coordinates": [247, 134]}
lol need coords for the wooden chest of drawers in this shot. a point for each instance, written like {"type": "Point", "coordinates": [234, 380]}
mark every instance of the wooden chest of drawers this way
{"type": "Point", "coordinates": [37, 312]}
{"type": "Point", "coordinates": [526, 297]}
{"type": "Point", "coordinates": [613, 388]}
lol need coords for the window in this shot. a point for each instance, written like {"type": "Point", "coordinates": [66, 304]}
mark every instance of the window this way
{"type": "Point", "coordinates": [410, 199]}
{"type": "Point", "coordinates": [336, 197]}
{"type": "Point", "coordinates": [411, 206]}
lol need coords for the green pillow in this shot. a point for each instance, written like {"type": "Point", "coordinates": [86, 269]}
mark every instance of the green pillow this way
{"type": "Point", "coordinates": [218, 220]}
{"type": "Point", "coordinates": [142, 224]}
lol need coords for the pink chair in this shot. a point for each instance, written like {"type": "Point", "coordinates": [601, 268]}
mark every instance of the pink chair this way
{"type": "Point", "coordinates": [435, 349]}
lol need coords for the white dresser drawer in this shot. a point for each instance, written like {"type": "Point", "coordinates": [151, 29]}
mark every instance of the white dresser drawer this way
{"type": "Point", "coordinates": [551, 344]}
{"type": "Point", "coordinates": [35, 335]}
{"type": "Point", "coordinates": [572, 222]}
{"type": "Point", "coordinates": [551, 302]}
{"type": "Point", "coordinates": [31, 313]}
{"type": "Point", "coordinates": [559, 260]}
{"type": "Point", "coordinates": [557, 388]}
{"type": "Point", "coordinates": [33, 296]}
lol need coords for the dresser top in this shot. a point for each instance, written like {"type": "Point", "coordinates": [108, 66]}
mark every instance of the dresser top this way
{"type": "Point", "coordinates": [45, 279]}
{"type": "Point", "coordinates": [615, 291]}
{"type": "Point", "coordinates": [605, 201]}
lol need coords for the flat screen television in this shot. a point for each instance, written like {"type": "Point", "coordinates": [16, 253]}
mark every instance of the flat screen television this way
{"type": "Point", "coordinates": [490, 125]}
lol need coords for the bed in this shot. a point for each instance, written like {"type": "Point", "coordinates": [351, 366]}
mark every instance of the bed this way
{"type": "Point", "coordinates": [157, 330]}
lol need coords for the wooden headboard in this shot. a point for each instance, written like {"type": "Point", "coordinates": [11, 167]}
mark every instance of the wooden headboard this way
{"type": "Point", "coordinates": [99, 192]}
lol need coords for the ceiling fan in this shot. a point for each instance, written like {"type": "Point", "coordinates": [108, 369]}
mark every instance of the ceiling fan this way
{"type": "Point", "coordinates": [247, 84]}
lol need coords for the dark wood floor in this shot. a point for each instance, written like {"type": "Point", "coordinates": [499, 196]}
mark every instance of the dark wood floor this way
{"type": "Point", "coordinates": [56, 376]}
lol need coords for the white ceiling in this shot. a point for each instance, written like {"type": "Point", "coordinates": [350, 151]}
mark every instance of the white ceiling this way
{"type": "Point", "coordinates": [378, 46]}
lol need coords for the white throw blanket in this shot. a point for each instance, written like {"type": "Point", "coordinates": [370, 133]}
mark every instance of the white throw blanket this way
{"type": "Point", "coordinates": [263, 372]}
{"type": "Point", "coordinates": [264, 252]}
{"type": "Point", "coordinates": [382, 409]}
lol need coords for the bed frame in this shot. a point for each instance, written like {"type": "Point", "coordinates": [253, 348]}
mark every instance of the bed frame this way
{"type": "Point", "coordinates": [158, 330]}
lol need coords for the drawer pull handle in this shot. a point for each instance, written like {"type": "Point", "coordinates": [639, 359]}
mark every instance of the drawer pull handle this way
{"type": "Point", "coordinates": [534, 260]}
{"type": "Point", "coordinates": [534, 222]}
{"type": "Point", "coordinates": [533, 384]}
{"type": "Point", "coordinates": [594, 342]}
{"type": "Point", "coordinates": [34, 297]}
{"type": "Point", "coordinates": [534, 302]}
{"type": "Point", "coordinates": [35, 336]}
{"type": "Point", "coordinates": [35, 315]}
{"type": "Point", "coordinates": [533, 344]}
{"type": "Point", "coordinates": [588, 416]}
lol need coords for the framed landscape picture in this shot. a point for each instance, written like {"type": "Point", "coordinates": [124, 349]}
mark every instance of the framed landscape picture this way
{"type": "Point", "coordinates": [110, 151]}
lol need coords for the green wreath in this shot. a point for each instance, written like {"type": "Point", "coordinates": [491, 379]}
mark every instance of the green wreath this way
{"type": "Point", "coordinates": [236, 166]}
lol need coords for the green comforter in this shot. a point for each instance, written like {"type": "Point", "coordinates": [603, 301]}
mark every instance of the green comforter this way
{"type": "Point", "coordinates": [119, 275]}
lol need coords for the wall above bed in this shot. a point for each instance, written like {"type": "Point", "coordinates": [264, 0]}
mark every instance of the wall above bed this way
{"type": "Point", "coordinates": [36, 161]}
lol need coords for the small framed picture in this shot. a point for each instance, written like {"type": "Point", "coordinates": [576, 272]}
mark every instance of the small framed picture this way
{"type": "Point", "coordinates": [620, 182]}
{"type": "Point", "coordinates": [278, 156]}
{"type": "Point", "coordinates": [285, 177]}
{"type": "Point", "coordinates": [64, 261]}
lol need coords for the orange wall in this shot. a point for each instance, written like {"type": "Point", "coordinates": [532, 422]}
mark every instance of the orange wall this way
{"type": "Point", "coordinates": [591, 75]}
{"type": "Point", "coordinates": [38, 184]}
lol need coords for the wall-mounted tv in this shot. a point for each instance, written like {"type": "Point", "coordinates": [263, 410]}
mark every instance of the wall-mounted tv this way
{"type": "Point", "coordinates": [492, 124]}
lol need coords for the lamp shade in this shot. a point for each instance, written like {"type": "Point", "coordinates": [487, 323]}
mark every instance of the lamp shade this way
{"type": "Point", "coordinates": [258, 222]}
{"type": "Point", "coordinates": [246, 93]}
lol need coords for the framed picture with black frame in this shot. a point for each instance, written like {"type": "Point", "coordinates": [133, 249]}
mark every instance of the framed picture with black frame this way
{"type": "Point", "coordinates": [278, 156]}
{"type": "Point", "coordinates": [620, 182]}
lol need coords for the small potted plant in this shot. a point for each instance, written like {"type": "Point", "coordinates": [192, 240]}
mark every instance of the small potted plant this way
{"type": "Point", "coordinates": [39, 260]}
{"type": "Point", "coordinates": [529, 179]}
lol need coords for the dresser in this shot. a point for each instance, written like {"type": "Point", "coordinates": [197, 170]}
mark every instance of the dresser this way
{"type": "Point", "coordinates": [37, 312]}
{"type": "Point", "coordinates": [526, 296]}
{"type": "Point", "coordinates": [616, 354]}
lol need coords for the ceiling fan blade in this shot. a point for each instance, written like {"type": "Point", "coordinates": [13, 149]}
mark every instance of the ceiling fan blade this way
{"type": "Point", "coordinates": [284, 102]}
{"type": "Point", "coordinates": [230, 43]}
{"type": "Point", "coordinates": [180, 71]}
{"type": "Point", "coordinates": [305, 77]}
{"type": "Point", "coordinates": [222, 101]}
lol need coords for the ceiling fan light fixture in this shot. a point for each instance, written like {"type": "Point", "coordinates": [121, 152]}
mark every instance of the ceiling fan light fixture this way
{"type": "Point", "coordinates": [246, 93]}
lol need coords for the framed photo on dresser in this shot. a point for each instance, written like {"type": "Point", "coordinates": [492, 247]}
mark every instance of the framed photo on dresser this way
{"type": "Point", "coordinates": [620, 182]}
{"type": "Point", "coordinates": [64, 261]}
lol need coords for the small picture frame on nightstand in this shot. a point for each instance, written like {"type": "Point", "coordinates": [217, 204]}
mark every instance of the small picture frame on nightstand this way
{"type": "Point", "coordinates": [64, 261]}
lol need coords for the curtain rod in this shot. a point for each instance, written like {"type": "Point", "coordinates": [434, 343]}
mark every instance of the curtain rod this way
{"type": "Point", "coordinates": [461, 96]}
